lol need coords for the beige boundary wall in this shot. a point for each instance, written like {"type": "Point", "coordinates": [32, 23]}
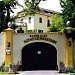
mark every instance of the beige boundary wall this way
{"type": "Point", "coordinates": [1, 48]}
{"type": "Point", "coordinates": [20, 40]}
{"type": "Point", "coordinates": [11, 45]}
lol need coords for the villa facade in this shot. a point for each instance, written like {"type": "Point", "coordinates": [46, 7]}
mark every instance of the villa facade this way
{"type": "Point", "coordinates": [38, 23]}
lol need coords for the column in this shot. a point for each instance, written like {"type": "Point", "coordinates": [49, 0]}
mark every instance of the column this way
{"type": "Point", "coordinates": [69, 53]}
{"type": "Point", "coordinates": [8, 52]}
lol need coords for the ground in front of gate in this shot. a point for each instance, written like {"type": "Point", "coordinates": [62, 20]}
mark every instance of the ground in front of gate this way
{"type": "Point", "coordinates": [49, 72]}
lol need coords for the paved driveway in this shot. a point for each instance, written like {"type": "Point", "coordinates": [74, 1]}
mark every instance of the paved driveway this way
{"type": "Point", "coordinates": [41, 73]}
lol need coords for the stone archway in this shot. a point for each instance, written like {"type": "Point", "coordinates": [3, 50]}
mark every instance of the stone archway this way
{"type": "Point", "coordinates": [39, 56]}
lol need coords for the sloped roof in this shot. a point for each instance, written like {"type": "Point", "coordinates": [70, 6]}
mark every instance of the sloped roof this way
{"type": "Point", "coordinates": [43, 11]}
{"type": "Point", "coordinates": [48, 11]}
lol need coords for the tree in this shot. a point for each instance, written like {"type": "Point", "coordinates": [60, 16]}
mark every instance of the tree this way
{"type": "Point", "coordinates": [73, 1]}
{"type": "Point", "coordinates": [68, 11]}
{"type": "Point", "coordinates": [9, 4]}
{"type": "Point", "coordinates": [31, 6]}
{"type": "Point", "coordinates": [2, 16]}
{"type": "Point", "coordinates": [5, 10]}
{"type": "Point", "coordinates": [57, 23]}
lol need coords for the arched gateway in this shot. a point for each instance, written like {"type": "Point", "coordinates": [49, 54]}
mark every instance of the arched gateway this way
{"type": "Point", "coordinates": [44, 54]}
{"type": "Point", "coordinates": [39, 56]}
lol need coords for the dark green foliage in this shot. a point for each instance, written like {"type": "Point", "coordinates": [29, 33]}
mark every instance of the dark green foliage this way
{"type": "Point", "coordinates": [9, 4]}
{"type": "Point", "coordinates": [73, 1]}
{"type": "Point", "coordinates": [5, 10]}
{"type": "Point", "coordinates": [68, 11]}
{"type": "Point", "coordinates": [57, 23]}
{"type": "Point", "coordinates": [2, 67]}
{"type": "Point", "coordinates": [31, 7]}
{"type": "Point", "coordinates": [2, 15]}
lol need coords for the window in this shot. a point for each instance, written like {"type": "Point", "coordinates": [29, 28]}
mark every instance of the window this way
{"type": "Point", "coordinates": [40, 31]}
{"type": "Point", "coordinates": [21, 21]}
{"type": "Point", "coordinates": [40, 20]}
{"type": "Point", "coordinates": [48, 23]}
{"type": "Point", "coordinates": [29, 19]}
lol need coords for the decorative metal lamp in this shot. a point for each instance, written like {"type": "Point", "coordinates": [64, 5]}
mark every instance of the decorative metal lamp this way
{"type": "Point", "coordinates": [68, 23]}
{"type": "Point", "coordinates": [9, 24]}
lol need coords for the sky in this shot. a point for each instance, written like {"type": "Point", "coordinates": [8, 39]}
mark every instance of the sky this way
{"type": "Point", "coordinates": [51, 4]}
{"type": "Point", "coordinates": [48, 4]}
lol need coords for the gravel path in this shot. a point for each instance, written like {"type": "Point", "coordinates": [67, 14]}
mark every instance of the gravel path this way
{"type": "Point", "coordinates": [41, 73]}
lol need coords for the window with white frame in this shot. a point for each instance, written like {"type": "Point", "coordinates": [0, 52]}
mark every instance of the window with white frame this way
{"type": "Point", "coordinates": [40, 31]}
{"type": "Point", "coordinates": [40, 20]}
{"type": "Point", "coordinates": [29, 19]}
{"type": "Point", "coordinates": [48, 23]}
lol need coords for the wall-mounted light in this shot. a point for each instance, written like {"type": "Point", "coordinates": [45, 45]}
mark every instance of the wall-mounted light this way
{"type": "Point", "coordinates": [8, 44]}
{"type": "Point", "coordinates": [69, 43]}
{"type": "Point", "coordinates": [8, 49]}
